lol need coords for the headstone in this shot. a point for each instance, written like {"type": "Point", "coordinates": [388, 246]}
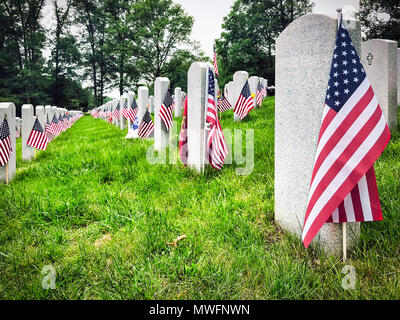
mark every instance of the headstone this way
{"type": "Point", "coordinates": [161, 134]}
{"type": "Point", "coordinates": [122, 121]}
{"type": "Point", "coordinates": [8, 108]}
{"type": "Point", "coordinates": [196, 142]}
{"type": "Point", "coordinates": [151, 101]}
{"type": "Point", "coordinates": [18, 124]}
{"type": "Point", "coordinates": [54, 111]}
{"type": "Point", "coordinates": [398, 76]}
{"type": "Point", "coordinates": [303, 60]}
{"type": "Point", "coordinates": [28, 119]}
{"type": "Point", "coordinates": [178, 101]}
{"type": "Point", "coordinates": [40, 113]}
{"type": "Point", "coordinates": [239, 79]}
{"type": "Point", "coordinates": [143, 102]}
{"type": "Point", "coordinates": [253, 83]}
{"type": "Point", "coordinates": [379, 58]}
{"type": "Point", "coordinates": [131, 96]}
{"type": "Point", "coordinates": [49, 113]}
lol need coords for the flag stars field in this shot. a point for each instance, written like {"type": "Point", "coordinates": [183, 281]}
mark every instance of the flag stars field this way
{"type": "Point", "coordinates": [107, 214]}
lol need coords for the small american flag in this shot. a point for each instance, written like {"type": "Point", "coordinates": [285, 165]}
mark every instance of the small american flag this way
{"type": "Point", "coordinates": [352, 136]}
{"type": "Point", "coordinates": [131, 111]}
{"type": "Point", "coordinates": [183, 138]}
{"type": "Point", "coordinates": [17, 135]}
{"type": "Point", "coordinates": [215, 61]}
{"type": "Point", "coordinates": [116, 112]}
{"type": "Point", "coordinates": [223, 103]}
{"type": "Point", "coordinates": [48, 129]}
{"type": "Point", "coordinates": [146, 126]}
{"type": "Point", "coordinates": [166, 109]}
{"type": "Point", "coordinates": [216, 145]}
{"type": "Point", "coordinates": [38, 138]}
{"type": "Point", "coordinates": [61, 123]}
{"type": "Point", "coordinates": [244, 103]}
{"type": "Point", "coordinates": [109, 116]}
{"type": "Point", "coordinates": [259, 94]}
{"type": "Point", "coordinates": [5, 143]}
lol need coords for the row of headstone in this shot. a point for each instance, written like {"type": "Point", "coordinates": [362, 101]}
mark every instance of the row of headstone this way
{"type": "Point", "coordinates": [25, 125]}
{"type": "Point", "coordinates": [302, 67]}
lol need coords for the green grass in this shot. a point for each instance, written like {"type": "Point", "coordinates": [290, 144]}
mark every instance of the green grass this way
{"type": "Point", "coordinates": [95, 209]}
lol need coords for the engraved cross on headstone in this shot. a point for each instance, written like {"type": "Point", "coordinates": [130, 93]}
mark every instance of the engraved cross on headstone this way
{"type": "Point", "coordinates": [370, 57]}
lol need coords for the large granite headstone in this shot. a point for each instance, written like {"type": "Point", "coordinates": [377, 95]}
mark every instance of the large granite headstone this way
{"type": "Point", "coordinates": [28, 119]}
{"type": "Point", "coordinates": [161, 134]}
{"type": "Point", "coordinates": [379, 58]}
{"type": "Point", "coordinates": [303, 60]}
{"type": "Point", "coordinates": [8, 108]}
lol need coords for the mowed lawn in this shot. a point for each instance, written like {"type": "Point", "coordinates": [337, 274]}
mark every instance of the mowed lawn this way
{"type": "Point", "coordinates": [95, 209]}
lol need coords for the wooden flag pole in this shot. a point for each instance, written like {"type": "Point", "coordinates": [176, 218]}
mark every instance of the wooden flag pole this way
{"type": "Point", "coordinates": [344, 224]}
{"type": "Point", "coordinates": [34, 154]}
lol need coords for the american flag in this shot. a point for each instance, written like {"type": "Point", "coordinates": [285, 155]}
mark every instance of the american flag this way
{"type": "Point", "coordinates": [5, 143]}
{"type": "Point", "coordinates": [259, 94]}
{"type": "Point", "coordinates": [116, 112]}
{"type": "Point", "coordinates": [95, 113]}
{"type": "Point", "coordinates": [183, 138]}
{"type": "Point", "coordinates": [38, 138]}
{"type": "Point", "coordinates": [216, 145]}
{"type": "Point", "coordinates": [61, 123]}
{"type": "Point", "coordinates": [244, 103]}
{"type": "Point", "coordinates": [17, 135]}
{"type": "Point", "coordinates": [352, 136]}
{"type": "Point", "coordinates": [48, 129]}
{"type": "Point", "coordinates": [54, 127]}
{"type": "Point", "coordinates": [215, 61]}
{"type": "Point", "coordinates": [223, 103]}
{"type": "Point", "coordinates": [146, 126]}
{"type": "Point", "coordinates": [109, 115]}
{"type": "Point", "coordinates": [131, 111]}
{"type": "Point", "coordinates": [166, 109]}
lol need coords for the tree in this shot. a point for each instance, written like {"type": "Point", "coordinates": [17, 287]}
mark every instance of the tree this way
{"type": "Point", "coordinates": [162, 27]}
{"type": "Point", "coordinates": [250, 29]}
{"type": "Point", "coordinates": [380, 19]}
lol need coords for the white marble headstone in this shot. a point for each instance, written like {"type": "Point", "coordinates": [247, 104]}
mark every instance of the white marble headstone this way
{"type": "Point", "coordinates": [178, 101]}
{"type": "Point", "coordinates": [161, 134]}
{"type": "Point", "coordinates": [8, 108]}
{"type": "Point", "coordinates": [28, 120]}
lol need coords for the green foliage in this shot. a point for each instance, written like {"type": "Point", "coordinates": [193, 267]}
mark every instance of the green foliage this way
{"type": "Point", "coordinates": [380, 19]}
{"type": "Point", "coordinates": [250, 29]}
{"type": "Point", "coordinates": [94, 208]}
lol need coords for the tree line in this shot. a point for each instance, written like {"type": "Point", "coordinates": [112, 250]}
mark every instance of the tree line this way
{"type": "Point", "coordinates": [104, 44]}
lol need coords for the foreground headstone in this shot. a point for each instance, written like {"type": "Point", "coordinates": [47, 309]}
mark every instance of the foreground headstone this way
{"type": "Point", "coordinates": [178, 101]}
{"type": "Point", "coordinates": [8, 108]}
{"type": "Point", "coordinates": [196, 143]}
{"type": "Point", "coordinates": [28, 120]}
{"type": "Point", "coordinates": [161, 134]}
{"type": "Point", "coordinates": [379, 58]}
{"type": "Point", "coordinates": [239, 79]}
{"type": "Point", "coordinates": [301, 77]}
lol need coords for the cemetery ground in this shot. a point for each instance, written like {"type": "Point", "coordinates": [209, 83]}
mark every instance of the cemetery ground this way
{"type": "Point", "coordinates": [94, 208]}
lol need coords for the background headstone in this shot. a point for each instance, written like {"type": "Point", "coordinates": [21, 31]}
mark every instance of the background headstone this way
{"type": "Point", "coordinates": [303, 60]}
{"type": "Point", "coordinates": [178, 101]}
{"type": "Point", "coordinates": [151, 101]}
{"type": "Point", "coordinates": [239, 79]}
{"type": "Point", "coordinates": [40, 113]}
{"type": "Point", "coordinates": [143, 101]}
{"type": "Point", "coordinates": [49, 112]}
{"type": "Point", "coordinates": [253, 83]}
{"type": "Point", "coordinates": [379, 58]}
{"type": "Point", "coordinates": [9, 109]}
{"type": "Point", "coordinates": [28, 119]}
{"type": "Point", "coordinates": [161, 134]}
{"type": "Point", "coordinates": [122, 120]}
{"type": "Point", "coordinates": [228, 92]}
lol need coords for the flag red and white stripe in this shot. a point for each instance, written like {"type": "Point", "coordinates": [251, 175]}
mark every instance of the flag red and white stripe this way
{"type": "Point", "coordinates": [245, 102]}
{"type": "Point", "coordinates": [38, 138]}
{"type": "Point", "coordinates": [183, 137]}
{"type": "Point", "coordinates": [165, 112]}
{"type": "Point", "coordinates": [5, 143]}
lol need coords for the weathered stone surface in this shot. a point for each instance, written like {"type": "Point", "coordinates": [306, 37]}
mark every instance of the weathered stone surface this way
{"type": "Point", "coordinates": [161, 134]}
{"type": "Point", "coordinates": [303, 59]}
{"type": "Point", "coordinates": [8, 108]}
{"type": "Point", "coordinates": [197, 76]}
{"type": "Point", "coordinates": [28, 120]}
{"type": "Point", "coordinates": [178, 101]}
{"type": "Point", "coordinates": [379, 58]}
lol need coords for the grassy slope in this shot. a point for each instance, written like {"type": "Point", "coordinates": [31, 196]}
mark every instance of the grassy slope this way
{"type": "Point", "coordinates": [93, 184]}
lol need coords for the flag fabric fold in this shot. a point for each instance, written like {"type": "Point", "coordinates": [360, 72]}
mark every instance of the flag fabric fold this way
{"type": "Point", "coordinates": [183, 137]}
{"type": "Point", "coordinates": [245, 102]}
{"type": "Point", "coordinates": [5, 143]}
{"type": "Point", "coordinates": [165, 112]}
{"type": "Point", "coordinates": [37, 138]}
